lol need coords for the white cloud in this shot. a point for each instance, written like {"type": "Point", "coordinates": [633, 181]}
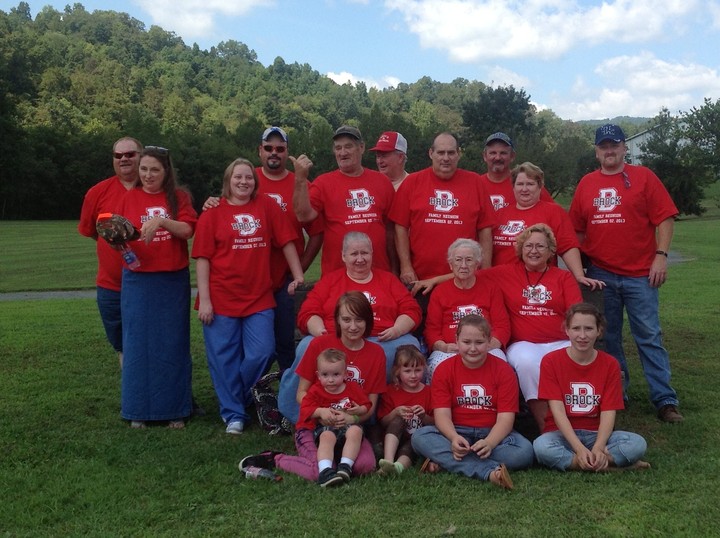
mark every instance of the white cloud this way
{"type": "Point", "coordinates": [196, 18]}
{"type": "Point", "coordinates": [714, 9]}
{"type": "Point", "coordinates": [499, 76]}
{"type": "Point", "coordinates": [474, 30]}
{"type": "Point", "coordinates": [344, 77]}
{"type": "Point", "coordinates": [638, 86]}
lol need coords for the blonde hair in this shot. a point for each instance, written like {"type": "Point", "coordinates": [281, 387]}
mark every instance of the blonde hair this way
{"type": "Point", "coordinates": [406, 355]}
{"type": "Point", "coordinates": [540, 227]}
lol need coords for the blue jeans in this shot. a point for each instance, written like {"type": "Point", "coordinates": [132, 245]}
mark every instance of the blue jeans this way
{"type": "Point", "coordinates": [284, 326]}
{"type": "Point", "coordinates": [514, 451]}
{"type": "Point", "coordinates": [108, 302]}
{"type": "Point", "coordinates": [238, 350]}
{"type": "Point", "coordinates": [640, 300]}
{"type": "Point", "coordinates": [553, 450]}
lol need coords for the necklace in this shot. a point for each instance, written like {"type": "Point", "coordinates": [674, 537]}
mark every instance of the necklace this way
{"type": "Point", "coordinates": [534, 292]}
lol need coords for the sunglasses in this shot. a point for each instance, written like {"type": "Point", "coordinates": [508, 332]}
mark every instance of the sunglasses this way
{"type": "Point", "coordinates": [158, 149]}
{"type": "Point", "coordinates": [127, 154]}
{"type": "Point", "coordinates": [274, 149]}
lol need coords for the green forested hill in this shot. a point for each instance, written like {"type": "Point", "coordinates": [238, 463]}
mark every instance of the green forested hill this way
{"type": "Point", "coordinates": [72, 82]}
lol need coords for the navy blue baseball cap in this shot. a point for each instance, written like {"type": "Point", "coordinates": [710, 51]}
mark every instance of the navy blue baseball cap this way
{"type": "Point", "coordinates": [609, 132]}
{"type": "Point", "coordinates": [501, 137]}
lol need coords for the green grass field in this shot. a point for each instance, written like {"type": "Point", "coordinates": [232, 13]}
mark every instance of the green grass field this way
{"type": "Point", "coordinates": [69, 466]}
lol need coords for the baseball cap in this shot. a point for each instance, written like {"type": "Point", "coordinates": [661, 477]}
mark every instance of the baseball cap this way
{"type": "Point", "coordinates": [274, 130]}
{"type": "Point", "coordinates": [609, 132]}
{"type": "Point", "coordinates": [348, 130]}
{"type": "Point", "coordinates": [502, 137]}
{"type": "Point", "coordinates": [391, 141]}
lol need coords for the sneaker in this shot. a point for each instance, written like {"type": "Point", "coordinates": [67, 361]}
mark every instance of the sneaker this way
{"type": "Point", "coordinates": [387, 467]}
{"type": "Point", "coordinates": [235, 427]}
{"type": "Point", "coordinates": [344, 471]}
{"type": "Point", "coordinates": [670, 413]}
{"type": "Point", "coordinates": [264, 460]}
{"type": "Point", "coordinates": [329, 478]}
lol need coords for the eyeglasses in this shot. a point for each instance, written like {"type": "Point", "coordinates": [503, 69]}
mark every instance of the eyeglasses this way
{"type": "Point", "coordinates": [127, 154]}
{"type": "Point", "coordinates": [274, 149]}
{"type": "Point", "coordinates": [158, 149]}
{"type": "Point", "coordinates": [530, 246]}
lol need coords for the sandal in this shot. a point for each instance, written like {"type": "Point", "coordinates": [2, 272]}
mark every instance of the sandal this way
{"type": "Point", "coordinates": [429, 467]}
{"type": "Point", "coordinates": [501, 477]}
{"type": "Point", "coordinates": [176, 424]}
{"type": "Point", "coordinates": [137, 424]}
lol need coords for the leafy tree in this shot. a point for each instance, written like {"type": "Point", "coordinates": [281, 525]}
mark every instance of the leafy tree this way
{"type": "Point", "coordinates": [668, 154]}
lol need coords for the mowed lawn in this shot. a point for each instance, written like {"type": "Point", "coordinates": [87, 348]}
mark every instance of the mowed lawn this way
{"type": "Point", "coordinates": [70, 466]}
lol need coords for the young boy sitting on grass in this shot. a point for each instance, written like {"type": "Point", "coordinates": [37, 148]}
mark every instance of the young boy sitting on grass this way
{"type": "Point", "coordinates": [333, 408]}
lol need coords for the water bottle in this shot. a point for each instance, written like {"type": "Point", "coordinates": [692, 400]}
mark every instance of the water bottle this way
{"type": "Point", "coordinates": [130, 257]}
{"type": "Point", "coordinates": [258, 472]}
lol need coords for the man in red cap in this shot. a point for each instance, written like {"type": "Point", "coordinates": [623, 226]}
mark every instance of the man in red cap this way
{"type": "Point", "coordinates": [391, 156]}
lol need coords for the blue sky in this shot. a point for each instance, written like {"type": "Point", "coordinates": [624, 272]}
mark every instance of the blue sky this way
{"type": "Point", "coordinates": [582, 59]}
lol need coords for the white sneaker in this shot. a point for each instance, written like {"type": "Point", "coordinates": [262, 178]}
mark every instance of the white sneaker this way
{"type": "Point", "coordinates": [235, 427]}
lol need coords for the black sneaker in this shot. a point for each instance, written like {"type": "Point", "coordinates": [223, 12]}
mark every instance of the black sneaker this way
{"type": "Point", "coordinates": [344, 471]}
{"type": "Point", "coordinates": [329, 478]}
{"type": "Point", "coordinates": [264, 460]}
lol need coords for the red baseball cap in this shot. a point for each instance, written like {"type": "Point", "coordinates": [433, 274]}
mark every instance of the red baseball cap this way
{"type": "Point", "coordinates": [391, 141]}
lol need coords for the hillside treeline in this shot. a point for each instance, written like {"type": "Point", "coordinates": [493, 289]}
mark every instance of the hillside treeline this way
{"type": "Point", "coordinates": [72, 82]}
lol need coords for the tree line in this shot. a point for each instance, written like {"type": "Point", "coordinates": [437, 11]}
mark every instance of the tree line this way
{"type": "Point", "coordinates": [72, 82]}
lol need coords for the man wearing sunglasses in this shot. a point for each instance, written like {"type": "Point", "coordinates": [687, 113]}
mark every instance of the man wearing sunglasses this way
{"type": "Point", "coordinates": [104, 198]}
{"type": "Point", "coordinates": [279, 183]}
{"type": "Point", "coordinates": [624, 218]}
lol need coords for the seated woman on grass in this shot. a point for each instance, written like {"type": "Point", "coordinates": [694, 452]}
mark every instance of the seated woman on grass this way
{"type": "Point", "coordinates": [584, 391]}
{"type": "Point", "coordinates": [475, 397]}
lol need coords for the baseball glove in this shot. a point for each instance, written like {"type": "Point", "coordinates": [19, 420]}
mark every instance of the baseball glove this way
{"type": "Point", "coordinates": [115, 229]}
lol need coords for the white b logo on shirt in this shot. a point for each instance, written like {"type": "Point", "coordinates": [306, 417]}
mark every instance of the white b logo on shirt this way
{"type": "Point", "coordinates": [583, 398]}
{"type": "Point", "coordinates": [608, 199]}
{"type": "Point", "coordinates": [498, 201]}
{"type": "Point", "coordinates": [279, 200]}
{"type": "Point", "coordinates": [443, 200]}
{"type": "Point", "coordinates": [360, 200]}
{"type": "Point", "coordinates": [246, 224]}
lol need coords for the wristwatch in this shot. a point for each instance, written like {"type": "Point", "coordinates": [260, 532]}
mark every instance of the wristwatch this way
{"type": "Point", "coordinates": [661, 252]}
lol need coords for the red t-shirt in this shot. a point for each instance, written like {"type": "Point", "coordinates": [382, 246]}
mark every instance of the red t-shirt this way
{"type": "Point", "coordinates": [352, 204]}
{"type": "Point", "coordinates": [475, 395]}
{"type": "Point", "coordinates": [619, 222]}
{"type": "Point", "coordinates": [165, 252]}
{"type": "Point", "coordinates": [281, 190]}
{"type": "Point", "coordinates": [105, 197]}
{"type": "Point", "coordinates": [512, 221]}
{"type": "Point", "coordinates": [437, 212]}
{"type": "Point", "coordinates": [585, 390]}
{"type": "Point", "coordinates": [387, 295]}
{"type": "Point", "coordinates": [449, 304]}
{"type": "Point", "coordinates": [237, 239]}
{"type": "Point", "coordinates": [395, 396]}
{"type": "Point", "coordinates": [317, 397]}
{"type": "Point", "coordinates": [365, 366]}
{"type": "Point", "coordinates": [536, 302]}
{"type": "Point", "coordinates": [502, 194]}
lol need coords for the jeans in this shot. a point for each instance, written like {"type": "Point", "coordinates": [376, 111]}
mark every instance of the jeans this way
{"type": "Point", "coordinates": [238, 350]}
{"type": "Point", "coordinates": [284, 327]}
{"type": "Point", "coordinates": [553, 450]}
{"type": "Point", "coordinates": [108, 302]}
{"type": "Point", "coordinates": [640, 300]}
{"type": "Point", "coordinates": [514, 451]}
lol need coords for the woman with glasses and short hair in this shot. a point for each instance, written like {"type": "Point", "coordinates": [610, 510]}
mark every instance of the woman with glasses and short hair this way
{"type": "Point", "coordinates": [536, 295]}
{"type": "Point", "coordinates": [155, 299]}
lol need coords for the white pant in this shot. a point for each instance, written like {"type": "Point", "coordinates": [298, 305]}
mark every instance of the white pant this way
{"type": "Point", "coordinates": [525, 358]}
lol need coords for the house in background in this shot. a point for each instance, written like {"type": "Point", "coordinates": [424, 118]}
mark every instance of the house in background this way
{"type": "Point", "coordinates": [633, 144]}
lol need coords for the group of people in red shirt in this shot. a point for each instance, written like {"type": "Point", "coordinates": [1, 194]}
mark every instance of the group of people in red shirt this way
{"type": "Point", "coordinates": [488, 325]}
